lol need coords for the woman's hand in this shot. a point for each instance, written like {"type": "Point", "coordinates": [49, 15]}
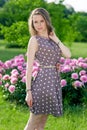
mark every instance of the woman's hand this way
{"type": "Point", "coordinates": [58, 66]}
{"type": "Point", "coordinates": [65, 51]}
{"type": "Point", "coordinates": [53, 37]}
{"type": "Point", "coordinates": [29, 99]}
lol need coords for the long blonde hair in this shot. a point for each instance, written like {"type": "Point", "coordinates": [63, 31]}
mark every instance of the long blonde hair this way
{"type": "Point", "coordinates": [45, 15]}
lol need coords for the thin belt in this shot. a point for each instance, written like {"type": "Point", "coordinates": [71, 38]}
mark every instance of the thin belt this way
{"type": "Point", "coordinates": [50, 66]}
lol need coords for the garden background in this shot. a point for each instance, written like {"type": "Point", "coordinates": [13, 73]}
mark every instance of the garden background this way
{"type": "Point", "coordinates": [70, 27]}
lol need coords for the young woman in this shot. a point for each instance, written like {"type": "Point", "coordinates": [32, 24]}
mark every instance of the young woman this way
{"type": "Point", "coordinates": [43, 95]}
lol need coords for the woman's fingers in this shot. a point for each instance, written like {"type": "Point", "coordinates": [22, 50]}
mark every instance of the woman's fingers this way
{"type": "Point", "coordinates": [58, 66]}
{"type": "Point", "coordinates": [29, 101]}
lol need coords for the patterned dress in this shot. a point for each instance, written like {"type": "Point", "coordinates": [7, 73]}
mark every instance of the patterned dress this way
{"type": "Point", "coordinates": [46, 89]}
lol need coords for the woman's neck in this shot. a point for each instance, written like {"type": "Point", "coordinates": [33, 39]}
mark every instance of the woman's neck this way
{"type": "Point", "coordinates": [43, 35]}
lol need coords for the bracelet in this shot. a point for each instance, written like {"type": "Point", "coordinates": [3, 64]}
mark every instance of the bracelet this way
{"type": "Point", "coordinates": [57, 43]}
{"type": "Point", "coordinates": [28, 90]}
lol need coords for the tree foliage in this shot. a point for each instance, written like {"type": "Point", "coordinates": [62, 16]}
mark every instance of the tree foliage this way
{"type": "Point", "coordinates": [17, 34]}
{"type": "Point", "coordinates": [66, 22]}
{"type": "Point", "coordinates": [81, 26]}
{"type": "Point", "coordinates": [2, 2]}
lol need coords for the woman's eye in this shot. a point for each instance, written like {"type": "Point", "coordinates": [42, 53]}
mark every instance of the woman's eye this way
{"type": "Point", "coordinates": [35, 21]}
{"type": "Point", "coordinates": [42, 21]}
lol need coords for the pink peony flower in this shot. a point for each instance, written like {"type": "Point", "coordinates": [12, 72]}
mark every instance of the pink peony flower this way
{"type": "Point", "coordinates": [83, 65]}
{"type": "Point", "coordinates": [80, 59]}
{"type": "Point", "coordinates": [62, 60]}
{"type": "Point", "coordinates": [19, 60]}
{"type": "Point", "coordinates": [14, 71]}
{"type": "Point", "coordinates": [63, 83]}
{"type": "Point", "coordinates": [24, 79]}
{"type": "Point", "coordinates": [22, 59]}
{"type": "Point", "coordinates": [16, 74]}
{"type": "Point", "coordinates": [11, 88]}
{"type": "Point", "coordinates": [8, 64]}
{"type": "Point", "coordinates": [35, 69]}
{"type": "Point", "coordinates": [77, 83]}
{"type": "Point", "coordinates": [66, 68]}
{"type": "Point", "coordinates": [6, 77]}
{"type": "Point", "coordinates": [14, 80]}
{"type": "Point", "coordinates": [20, 68]}
{"type": "Point", "coordinates": [74, 61]}
{"type": "Point", "coordinates": [23, 72]}
{"type": "Point", "coordinates": [74, 76]}
{"type": "Point", "coordinates": [1, 63]}
{"type": "Point", "coordinates": [83, 78]}
{"type": "Point", "coordinates": [67, 61]}
{"type": "Point", "coordinates": [82, 72]}
{"type": "Point", "coordinates": [85, 59]}
{"type": "Point", "coordinates": [6, 85]}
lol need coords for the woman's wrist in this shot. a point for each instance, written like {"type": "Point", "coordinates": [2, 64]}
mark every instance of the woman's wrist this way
{"type": "Point", "coordinates": [57, 42]}
{"type": "Point", "coordinates": [28, 89]}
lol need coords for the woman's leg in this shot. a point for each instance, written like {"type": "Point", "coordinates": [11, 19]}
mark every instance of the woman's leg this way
{"type": "Point", "coordinates": [42, 122]}
{"type": "Point", "coordinates": [33, 122]}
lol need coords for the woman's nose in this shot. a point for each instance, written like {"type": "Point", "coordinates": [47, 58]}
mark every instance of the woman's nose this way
{"type": "Point", "coordinates": [39, 23]}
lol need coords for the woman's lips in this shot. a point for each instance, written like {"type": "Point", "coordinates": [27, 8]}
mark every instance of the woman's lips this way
{"type": "Point", "coordinates": [39, 28]}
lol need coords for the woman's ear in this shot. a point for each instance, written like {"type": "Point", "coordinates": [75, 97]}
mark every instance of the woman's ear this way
{"type": "Point", "coordinates": [51, 33]}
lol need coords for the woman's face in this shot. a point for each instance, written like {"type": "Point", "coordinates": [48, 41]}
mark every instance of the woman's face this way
{"type": "Point", "coordinates": [39, 24]}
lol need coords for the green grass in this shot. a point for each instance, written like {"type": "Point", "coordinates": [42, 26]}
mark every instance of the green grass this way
{"type": "Point", "coordinates": [8, 53]}
{"type": "Point", "coordinates": [73, 119]}
{"type": "Point", "coordinates": [14, 117]}
{"type": "Point", "coordinates": [79, 50]}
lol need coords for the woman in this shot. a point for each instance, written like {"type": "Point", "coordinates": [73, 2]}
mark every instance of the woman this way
{"type": "Point", "coordinates": [43, 95]}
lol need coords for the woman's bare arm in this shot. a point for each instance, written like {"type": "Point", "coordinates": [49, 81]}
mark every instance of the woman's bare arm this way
{"type": "Point", "coordinates": [32, 48]}
{"type": "Point", "coordinates": [65, 50]}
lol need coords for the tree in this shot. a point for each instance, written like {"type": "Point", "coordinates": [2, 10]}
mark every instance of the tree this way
{"type": "Point", "coordinates": [57, 14]}
{"type": "Point", "coordinates": [81, 25]}
{"type": "Point", "coordinates": [17, 34]}
{"type": "Point", "coordinates": [14, 16]}
{"type": "Point", "coordinates": [18, 10]}
{"type": "Point", "coordinates": [2, 2]}
{"type": "Point", "coordinates": [66, 22]}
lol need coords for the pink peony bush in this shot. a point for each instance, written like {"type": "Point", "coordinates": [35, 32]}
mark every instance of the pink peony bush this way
{"type": "Point", "coordinates": [12, 78]}
{"type": "Point", "coordinates": [73, 79]}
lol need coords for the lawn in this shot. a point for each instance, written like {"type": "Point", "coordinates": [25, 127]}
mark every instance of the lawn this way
{"type": "Point", "coordinates": [14, 117]}
{"type": "Point", "coordinates": [77, 50]}
{"type": "Point", "coordinates": [6, 54]}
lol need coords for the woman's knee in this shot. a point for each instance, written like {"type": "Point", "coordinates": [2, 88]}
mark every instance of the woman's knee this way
{"type": "Point", "coordinates": [33, 122]}
{"type": "Point", "coordinates": [43, 122]}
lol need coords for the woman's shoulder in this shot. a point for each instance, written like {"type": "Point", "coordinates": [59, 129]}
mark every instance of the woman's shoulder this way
{"type": "Point", "coordinates": [32, 42]}
{"type": "Point", "coordinates": [32, 39]}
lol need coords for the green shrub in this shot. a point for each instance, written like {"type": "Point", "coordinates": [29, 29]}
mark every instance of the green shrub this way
{"type": "Point", "coordinates": [73, 80]}
{"type": "Point", "coordinates": [16, 34]}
